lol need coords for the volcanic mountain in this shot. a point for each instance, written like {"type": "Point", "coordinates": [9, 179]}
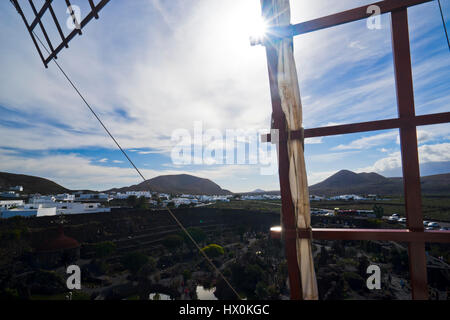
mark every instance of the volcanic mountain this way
{"type": "Point", "coordinates": [348, 182]}
{"type": "Point", "coordinates": [180, 183]}
{"type": "Point", "coordinates": [30, 184]}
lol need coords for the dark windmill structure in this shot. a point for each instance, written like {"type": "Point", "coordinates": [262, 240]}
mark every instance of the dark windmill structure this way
{"type": "Point", "coordinates": [407, 123]}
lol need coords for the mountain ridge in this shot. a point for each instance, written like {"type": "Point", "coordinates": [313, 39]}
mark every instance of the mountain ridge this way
{"type": "Point", "coordinates": [346, 181]}
{"type": "Point", "coordinates": [178, 183]}
{"type": "Point", "coordinates": [31, 184]}
{"type": "Point", "coordinates": [342, 182]}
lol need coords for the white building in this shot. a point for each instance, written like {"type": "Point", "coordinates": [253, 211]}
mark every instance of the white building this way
{"type": "Point", "coordinates": [9, 194]}
{"type": "Point", "coordinates": [65, 197]}
{"type": "Point", "coordinates": [80, 208]}
{"type": "Point", "coordinates": [137, 194]}
{"type": "Point", "coordinates": [7, 204]}
{"type": "Point", "coordinates": [186, 201]}
{"type": "Point", "coordinates": [92, 197]}
{"type": "Point", "coordinates": [42, 199]}
{"type": "Point", "coordinates": [16, 188]}
{"type": "Point", "coordinates": [39, 211]}
{"type": "Point", "coordinates": [48, 206]}
{"type": "Point", "coordinates": [347, 197]}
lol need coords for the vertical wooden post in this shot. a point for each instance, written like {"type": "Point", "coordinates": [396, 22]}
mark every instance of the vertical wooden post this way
{"type": "Point", "coordinates": [409, 151]}
{"type": "Point", "coordinates": [279, 122]}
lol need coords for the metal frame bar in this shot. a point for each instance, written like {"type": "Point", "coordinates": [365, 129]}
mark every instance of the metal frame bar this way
{"type": "Point", "coordinates": [39, 15]}
{"type": "Point", "coordinates": [406, 122]}
{"type": "Point", "coordinates": [343, 17]}
{"type": "Point", "coordinates": [402, 122]}
{"type": "Point", "coordinates": [409, 151]}
{"type": "Point", "coordinates": [74, 32]}
{"type": "Point", "coordinates": [30, 31]}
{"type": "Point", "coordinates": [40, 22]}
{"type": "Point", "coordinates": [398, 235]}
{"type": "Point", "coordinates": [74, 18]}
{"type": "Point", "coordinates": [95, 9]}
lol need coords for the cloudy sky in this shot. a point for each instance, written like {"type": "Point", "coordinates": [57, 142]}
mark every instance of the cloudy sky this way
{"type": "Point", "coordinates": [152, 68]}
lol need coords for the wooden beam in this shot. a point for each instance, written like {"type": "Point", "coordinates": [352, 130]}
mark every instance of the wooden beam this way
{"type": "Point", "coordinates": [279, 121]}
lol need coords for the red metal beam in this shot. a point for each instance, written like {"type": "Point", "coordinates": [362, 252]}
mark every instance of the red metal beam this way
{"type": "Point", "coordinates": [399, 235]}
{"type": "Point", "coordinates": [409, 151]}
{"type": "Point", "coordinates": [350, 16]}
{"type": "Point", "coordinates": [403, 122]}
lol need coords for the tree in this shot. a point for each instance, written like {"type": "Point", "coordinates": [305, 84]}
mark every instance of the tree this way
{"type": "Point", "coordinates": [261, 291]}
{"type": "Point", "coordinates": [172, 241]}
{"type": "Point", "coordinates": [196, 233]}
{"type": "Point", "coordinates": [323, 258]}
{"type": "Point", "coordinates": [142, 203]}
{"type": "Point", "coordinates": [171, 204]}
{"type": "Point", "coordinates": [132, 201]}
{"type": "Point", "coordinates": [134, 261]}
{"type": "Point", "coordinates": [104, 249]}
{"type": "Point", "coordinates": [378, 211]}
{"type": "Point", "coordinates": [363, 264]}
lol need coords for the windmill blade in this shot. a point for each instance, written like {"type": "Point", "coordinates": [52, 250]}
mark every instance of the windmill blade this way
{"type": "Point", "coordinates": [52, 50]}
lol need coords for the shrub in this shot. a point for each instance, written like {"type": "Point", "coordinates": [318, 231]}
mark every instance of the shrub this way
{"type": "Point", "coordinates": [354, 280]}
{"type": "Point", "coordinates": [134, 261]}
{"type": "Point", "coordinates": [213, 250]}
{"type": "Point", "coordinates": [104, 249]}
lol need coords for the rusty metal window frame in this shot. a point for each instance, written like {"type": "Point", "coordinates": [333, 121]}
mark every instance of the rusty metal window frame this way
{"type": "Point", "coordinates": [407, 122]}
{"type": "Point", "coordinates": [47, 6]}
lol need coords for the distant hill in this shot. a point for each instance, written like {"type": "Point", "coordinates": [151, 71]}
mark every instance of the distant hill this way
{"type": "Point", "coordinates": [348, 182]}
{"type": "Point", "coordinates": [181, 183]}
{"type": "Point", "coordinates": [30, 184]}
{"type": "Point", "coordinates": [258, 191]}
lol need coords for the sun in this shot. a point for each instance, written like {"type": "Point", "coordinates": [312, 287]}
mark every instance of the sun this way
{"type": "Point", "coordinates": [244, 21]}
{"type": "Point", "coordinates": [257, 27]}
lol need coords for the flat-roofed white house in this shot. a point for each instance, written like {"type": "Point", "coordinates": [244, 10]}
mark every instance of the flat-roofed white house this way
{"type": "Point", "coordinates": [39, 211]}
{"type": "Point", "coordinates": [65, 197]}
{"type": "Point", "coordinates": [7, 204]}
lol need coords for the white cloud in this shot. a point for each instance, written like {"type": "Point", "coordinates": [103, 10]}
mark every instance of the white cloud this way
{"type": "Point", "coordinates": [427, 153]}
{"type": "Point", "coordinates": [369, 141]}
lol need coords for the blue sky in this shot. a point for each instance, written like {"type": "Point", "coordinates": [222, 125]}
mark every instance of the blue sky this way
{"type": "Point", "coordinates": [150, 67]}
